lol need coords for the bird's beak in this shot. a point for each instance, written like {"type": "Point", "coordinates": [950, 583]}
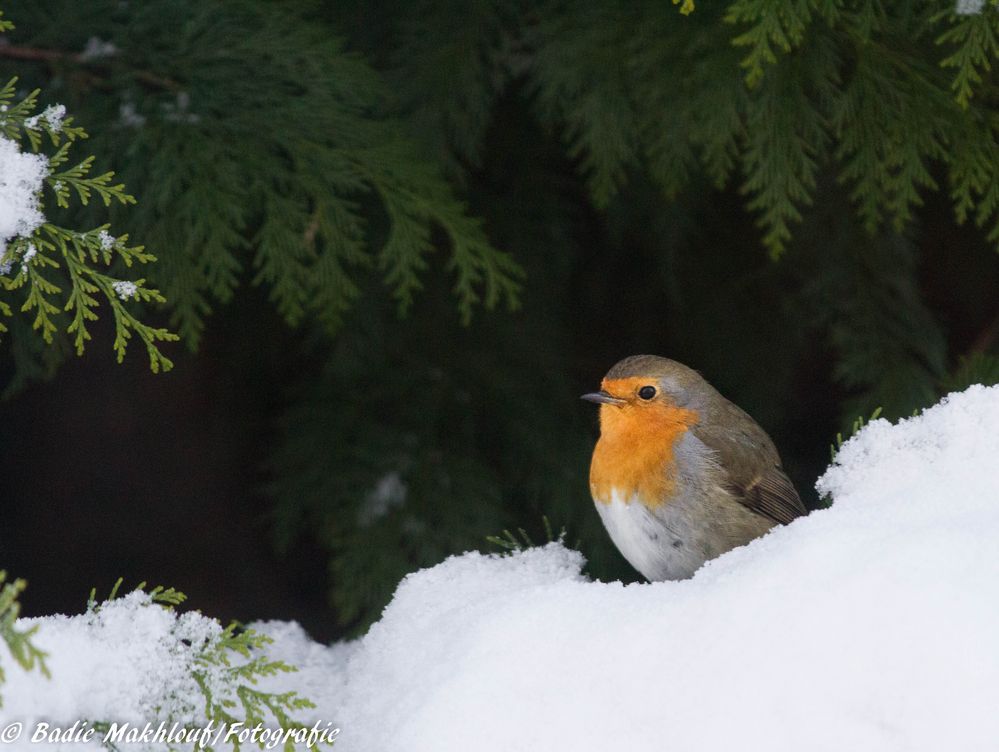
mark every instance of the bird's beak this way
{"type": "Point", "coordinates": [603, 398]}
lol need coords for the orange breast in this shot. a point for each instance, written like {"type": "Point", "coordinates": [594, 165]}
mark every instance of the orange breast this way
{"type": "Point", "coordinates": [635, 453]}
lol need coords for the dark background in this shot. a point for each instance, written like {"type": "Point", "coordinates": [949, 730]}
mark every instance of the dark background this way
{"type": "Point", "coordinates": [240, 476]}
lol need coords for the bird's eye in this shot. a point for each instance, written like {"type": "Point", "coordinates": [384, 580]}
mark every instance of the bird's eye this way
{"type": "Point", "coordinates": [647, 392]}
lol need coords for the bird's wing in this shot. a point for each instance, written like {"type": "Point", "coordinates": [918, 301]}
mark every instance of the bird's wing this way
{"type": "Point", "coordinates": [752, 466]}
{"type": "Point", "coordinates": [772, 495]}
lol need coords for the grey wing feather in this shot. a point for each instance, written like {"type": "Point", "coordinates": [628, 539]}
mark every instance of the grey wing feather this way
{"type": "Point", "coordinates": [752, 464]}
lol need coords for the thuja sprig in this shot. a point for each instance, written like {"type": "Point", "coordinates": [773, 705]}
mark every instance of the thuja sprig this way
{"type": "Point", "coordinates": [35, 268]}
{"type": "Point", "coordinates": [18, 641]}
{"type": "Point", "coordinates": [229, 669]}
{"type": "Point", "coordinates": [226, 666]}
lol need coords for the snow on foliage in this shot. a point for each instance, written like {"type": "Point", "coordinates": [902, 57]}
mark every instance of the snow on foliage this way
{"type": "Point", "coordinates": [133, 673]}
{"type": "Point", "coordinates": [866, 626]}
{"type": "Point", "coordinates": [126, 661]}
{"type": "Point", "coordinates": [107, 240]}
{"type": "Point", "coordinates": [53, 115]}
{"type": "Point", "coordinates": [21, 176]}
{"type": "Point", "coordinates": [125, 289]}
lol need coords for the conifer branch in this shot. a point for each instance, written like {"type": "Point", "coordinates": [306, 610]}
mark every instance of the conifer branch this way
{"type": "Point", "coordinates": [44, 247]}
{"type": "Point", "coordinates": [46, 55]}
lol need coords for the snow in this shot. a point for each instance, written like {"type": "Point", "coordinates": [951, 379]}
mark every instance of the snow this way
{"type": "Point", "coordinates": [121, 662]}
{"type": "Point", "coordinates": [29, 253]}
{"type": "Point", "coordinates": [21, 176]}
{"type": "Point", "coordinates": [53, 115]}
{"type": "Point", "coordinates": [130, 663]}
{"type": "Point", "coordinates": [866, 626]}
{"type": "Point", "coordinates": [125, 289]}
{"type": "Point", "coordinates": [107, 240]}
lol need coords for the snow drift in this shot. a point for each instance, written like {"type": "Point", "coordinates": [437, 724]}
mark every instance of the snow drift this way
{"type": "Point", "coordinates": [867, 626]}
{"type": "Point", "coordinates": [871, 625]}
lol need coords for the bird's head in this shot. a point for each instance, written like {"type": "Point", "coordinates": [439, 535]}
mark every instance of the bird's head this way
{"type": "Point", "coordinates": [647, 404]}
{"type": "Point", "coordinates": [649, 390]}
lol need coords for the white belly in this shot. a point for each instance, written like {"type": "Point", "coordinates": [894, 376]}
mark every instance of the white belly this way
{"type": "Point", "coordinates": [662, 545]}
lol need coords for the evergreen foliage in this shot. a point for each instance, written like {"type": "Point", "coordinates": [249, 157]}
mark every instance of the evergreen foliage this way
{"type": "Point", "coordinates": [86, 259]}
{"type": "Point", "coordinates": [246, 704]}
{"type": "Point", "coordinates": [18, 641]}
{"type": "Point", "coordinates": [892, 353]}
{"type": "Point", "coordinates": [279, 173]}
{"type": "Point", "coordinates": [509, 542]}
{"type": "Point", "coordinates": [437, 445]}
{"type": "Point", "coordinates": [978, 368]}
{"type": "Point", "coordinates": [615, 168]}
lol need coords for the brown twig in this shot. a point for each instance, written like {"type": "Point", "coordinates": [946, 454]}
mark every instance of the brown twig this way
{"type": "Point", "coordinates": [42, 55]}
{"type": "Point", "coordinates": [37, 54]}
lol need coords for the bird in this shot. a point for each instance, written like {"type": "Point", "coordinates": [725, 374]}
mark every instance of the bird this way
{"type": "Point", "coordinates": [680, 475]}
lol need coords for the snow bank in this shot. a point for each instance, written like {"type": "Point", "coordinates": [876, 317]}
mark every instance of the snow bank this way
{"type": "Point", "coordinates": [867, 626]}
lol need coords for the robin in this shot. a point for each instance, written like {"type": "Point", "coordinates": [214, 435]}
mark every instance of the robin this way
{"type": "Point", "coordinates": [680, 475]}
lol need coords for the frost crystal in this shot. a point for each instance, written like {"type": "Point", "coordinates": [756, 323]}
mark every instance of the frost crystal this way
{"type": "Point", "coordinates": [969, 7]}
{"type": "Point", "coordinates": [125, 289]}
{"type": "Point", "coordinates": [21, 177]}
